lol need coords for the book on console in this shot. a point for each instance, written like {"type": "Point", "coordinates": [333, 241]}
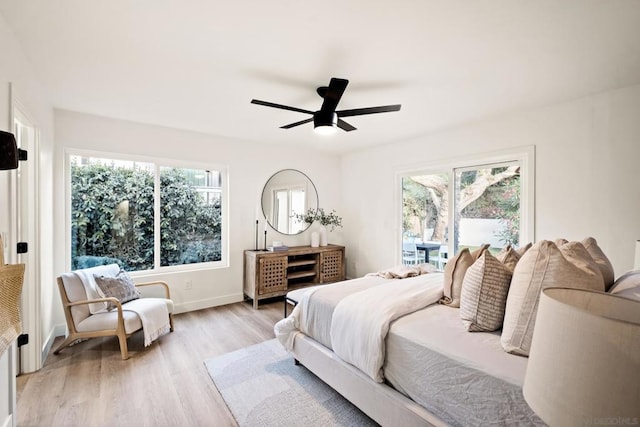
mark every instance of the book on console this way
{"type": "Point", "coordinates": [277, 248]}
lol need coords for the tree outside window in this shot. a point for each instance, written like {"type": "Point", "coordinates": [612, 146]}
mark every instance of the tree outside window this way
{"type": "Point", "coordinates": [485, 206]}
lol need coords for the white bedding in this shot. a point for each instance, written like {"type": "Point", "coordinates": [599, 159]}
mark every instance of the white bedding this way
{"type": "Point", "coordinates": [356, 315]}
{"type": "Point", "coordinates": [464, 378]}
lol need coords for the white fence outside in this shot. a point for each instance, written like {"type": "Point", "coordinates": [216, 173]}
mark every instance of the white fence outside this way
{"type": "Point", "coordinates": [476, 231]}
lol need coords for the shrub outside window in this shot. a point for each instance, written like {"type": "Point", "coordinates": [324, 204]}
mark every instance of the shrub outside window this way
{"type": "Point", "coordinates": [143, 215]}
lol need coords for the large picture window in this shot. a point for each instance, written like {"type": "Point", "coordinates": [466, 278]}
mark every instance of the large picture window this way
{"type": "Point", "coordinates": [466, 204]}
{"type": "Point", "coordinates": [144, 215]}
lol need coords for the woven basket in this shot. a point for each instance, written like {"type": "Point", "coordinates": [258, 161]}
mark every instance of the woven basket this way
{"type": "Point", "coordinates": [11, 278]}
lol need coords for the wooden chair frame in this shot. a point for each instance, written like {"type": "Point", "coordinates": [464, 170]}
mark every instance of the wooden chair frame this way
{"type": "Point", "coordinates": [119, 331]}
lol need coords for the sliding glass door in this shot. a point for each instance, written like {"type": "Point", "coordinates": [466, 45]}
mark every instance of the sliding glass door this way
{"type": "Point", "coordinates": [466, 205]}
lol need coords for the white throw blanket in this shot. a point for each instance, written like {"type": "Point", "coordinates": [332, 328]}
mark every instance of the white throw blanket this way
{"type": "Point", "coordinates": [404, 271]}
{"type": "Point", "coordinates": [154, 315]}
{"type": "Point", "coordinates": [361, 320]}
{"type": "Point", "coordinates": [91, 287]}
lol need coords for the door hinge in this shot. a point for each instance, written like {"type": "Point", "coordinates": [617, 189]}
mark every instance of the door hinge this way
{"type": "Point", "coordinates": [22, 247]}
{"type": "Point", "coordinates": [23, 340]}
{"type": "Point", "coordinates": [22, 155]}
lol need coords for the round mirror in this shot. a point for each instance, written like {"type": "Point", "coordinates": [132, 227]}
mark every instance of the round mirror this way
{"type": "Point", "coordinates": [286, 194]}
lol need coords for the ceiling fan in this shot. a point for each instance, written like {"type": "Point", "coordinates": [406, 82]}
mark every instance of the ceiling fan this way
{"type": "Point", "coordinates": [327, 118]}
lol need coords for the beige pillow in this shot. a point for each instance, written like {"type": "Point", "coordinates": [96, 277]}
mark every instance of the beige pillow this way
{"type": "Point", "coordinates": [606, 268]}
{"type": "Point", "coordinates": [542, 266]}
{"type": "Point", "coordinates": [454, 273]}
{"type": "Point", "coordinates": [484, 294]}
{"type": "Point", "coordinates": [509, 257]}
{"type": "Point", "coordinates": [478, 252]}
{"type": "Point", "coordinates": [522, 249]}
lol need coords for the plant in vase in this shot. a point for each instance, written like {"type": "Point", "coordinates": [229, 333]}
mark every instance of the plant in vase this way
{"type": "Point", "coordinates": [330, 219]}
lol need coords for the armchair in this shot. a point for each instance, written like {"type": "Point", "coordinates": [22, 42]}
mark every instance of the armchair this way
{"type": "Point", "coordinates": [120, 322]}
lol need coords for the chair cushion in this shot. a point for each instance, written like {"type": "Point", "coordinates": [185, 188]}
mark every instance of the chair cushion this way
{"type": "Point", "coordinates": [120, 287]}
{"type": "Point", "coordinates": [109, 319]}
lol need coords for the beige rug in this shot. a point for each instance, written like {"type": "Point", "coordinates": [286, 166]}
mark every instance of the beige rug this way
{"type": "Point", "coordinates": [263, 387]}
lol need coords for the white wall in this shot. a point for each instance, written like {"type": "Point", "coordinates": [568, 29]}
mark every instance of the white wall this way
{"type": "Point", "coordinates": [587, 176]}
{"type": "Point", "coordinates": [249, 165]}
{"type": "Point", "coordinates": [15, 69]}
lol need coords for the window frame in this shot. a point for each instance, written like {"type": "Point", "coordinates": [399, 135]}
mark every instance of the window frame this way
{"type": "Point", "coordinates": [158, 163]}
{"type": "Point", "coordinates": [524, 155]}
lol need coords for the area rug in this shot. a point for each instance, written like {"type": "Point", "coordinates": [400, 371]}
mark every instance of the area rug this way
{"type": "Point", "coordinates": [262, 386]}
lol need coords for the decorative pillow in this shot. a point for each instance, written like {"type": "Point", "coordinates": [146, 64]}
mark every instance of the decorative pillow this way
{"type": "Point", "coordinates": [509, 257]}
{"type": "Point", "coordinates": [454, 274]}
{"type": "Point", "coordinates": [484, 294]}
{"type": "Point", "coordinates": [120, 287]}
{"type": "Point", "coordinates": [631, 293]}
{"type": "Point", "coordinates": [627, 284]}
{"type": "Point", "coordinates": [478, 252]}
{"type": "Point", "coordinates": [606, 268]}
{"type": "Point", "coordinates": [542, 266]}
{"type": "Point", "coordinates": [522, 249]}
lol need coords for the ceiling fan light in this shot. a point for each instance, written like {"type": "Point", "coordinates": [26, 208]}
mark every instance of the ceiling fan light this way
{"type": "Point", "coordinates": [325, 123]}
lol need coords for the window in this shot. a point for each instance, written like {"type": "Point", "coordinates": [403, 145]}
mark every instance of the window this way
{"type": "Point", "coordinates": [144, 215]}
{"type": "Point", "coordinates": [468, 204]}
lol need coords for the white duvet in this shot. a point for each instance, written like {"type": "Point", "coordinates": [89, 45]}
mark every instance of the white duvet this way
{"type": "Point", "coordinates": [358, 322]}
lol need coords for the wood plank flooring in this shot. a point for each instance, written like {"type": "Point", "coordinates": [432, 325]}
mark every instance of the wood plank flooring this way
{"type": "Point", "coordinates": [166, 384]}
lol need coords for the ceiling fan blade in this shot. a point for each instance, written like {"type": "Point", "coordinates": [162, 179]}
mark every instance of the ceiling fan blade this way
{"type": "Point", "coordinates": [301, 122]}
{"type": "Point", "coordinates": [333, 94]}
{"type": "Point", "coordinates": [282, 107]}
{"type": "Point", "coordinates": [370, 110]}
{"type": "Point", "coordinates": [345, 126]}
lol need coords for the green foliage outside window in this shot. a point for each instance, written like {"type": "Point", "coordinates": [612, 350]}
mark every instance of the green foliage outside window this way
{"type": "Point", "coordinates": [113, 218]}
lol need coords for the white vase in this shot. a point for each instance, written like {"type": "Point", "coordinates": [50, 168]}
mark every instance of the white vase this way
{"type": "Point", "coordinates": [315, 239]}
{"type": "Point", "coordinates": [323, 236]}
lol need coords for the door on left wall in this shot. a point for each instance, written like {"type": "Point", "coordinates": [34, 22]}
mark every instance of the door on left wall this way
{"type": "Point", "coordinates": [24, 229]}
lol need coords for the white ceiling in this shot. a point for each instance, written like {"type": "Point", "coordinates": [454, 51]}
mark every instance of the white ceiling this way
{"type": "Point", "coordinates": [196, 64]}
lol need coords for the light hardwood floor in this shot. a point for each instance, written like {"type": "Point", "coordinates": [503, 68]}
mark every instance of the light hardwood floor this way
{"type": "Point", "coordinates": [166, 384]}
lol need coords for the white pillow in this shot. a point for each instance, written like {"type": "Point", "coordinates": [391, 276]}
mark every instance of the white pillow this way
{"type": "Point", "coordinates": [627, 285]}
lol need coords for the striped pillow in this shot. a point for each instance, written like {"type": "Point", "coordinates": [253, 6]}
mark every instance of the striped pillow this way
{"type": "Point", "coordinates": [454, 273]}
{"type": "Point", "coordinates": [484, 294]}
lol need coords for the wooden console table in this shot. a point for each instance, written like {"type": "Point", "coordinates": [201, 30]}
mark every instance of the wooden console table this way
{"type": "Point", "coordinates": [272, 274]}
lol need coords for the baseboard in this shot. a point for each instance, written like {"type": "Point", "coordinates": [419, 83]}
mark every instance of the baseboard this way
{"type": "Point", "coordinates": [61, 330]}
{"type": "Point", "coordinates": [57, 331]}
{"type": "Point", "coordinates": [207, 303]}
{"type": "Point", "coordinates": [8, 422]}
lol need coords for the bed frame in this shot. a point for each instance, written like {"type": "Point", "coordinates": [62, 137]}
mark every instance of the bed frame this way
{"type": "Point", "coordinates": [382, 403]}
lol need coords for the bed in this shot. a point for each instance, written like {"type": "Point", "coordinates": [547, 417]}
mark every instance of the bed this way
{"type": "Point", "coordinates": [441, 348]}
{"type": "Point", "coordinates": [427, 369]}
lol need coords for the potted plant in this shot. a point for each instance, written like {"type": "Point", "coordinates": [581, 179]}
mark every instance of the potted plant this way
{"type": "Point", "coordinates": [330, 219]}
